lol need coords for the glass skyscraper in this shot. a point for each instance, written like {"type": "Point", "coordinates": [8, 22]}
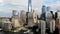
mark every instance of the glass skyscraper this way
{"type": "Point", "coordinates": [48, 9]}
{"type": "Point", "coordinates": [44, 9]}
{"type": "Point", "coordinates": [29, 6]}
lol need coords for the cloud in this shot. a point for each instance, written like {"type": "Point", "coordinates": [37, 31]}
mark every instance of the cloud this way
{"type": "Point", "coordinates": [37, 3]}
{"type": "Point", "coordinates": [21, 4]}
{"type": "Point", "coordinates": [1, 2]}
{"type": "Point", "coordinates": [38, 11]}
{"type": "Point", "coordinates": [10, 5]}
{"type": "Point", "coordinates": [18, 2]}
{"type": "Point", "coordinates": [55, 6]}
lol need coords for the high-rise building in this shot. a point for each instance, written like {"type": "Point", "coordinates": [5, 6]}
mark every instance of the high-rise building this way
{"type": "Point", "coordinates": [48, 15]}
{"type": "Point", "coordinates": [23, 16]}
{"type": "Point", "coordinates": [32, 19]}
{"type": "Point", "coordinates": [43, 27]}
{"type": "Point", "coordinates": [29, 6]}
{"type": "Point", "coordinates": [44, 9]}
{"type": "Point", "coordinates": [48, 9]}
{"type": "Point", "coordinates": [15, 12]}
{"type": "Point", "coordinates": [52, 26]}
{"type": "Point", "coordinates": [15, 19]}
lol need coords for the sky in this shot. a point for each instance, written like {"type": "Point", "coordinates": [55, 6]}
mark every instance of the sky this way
{"type": "Point", "coordinates": [6, 6]}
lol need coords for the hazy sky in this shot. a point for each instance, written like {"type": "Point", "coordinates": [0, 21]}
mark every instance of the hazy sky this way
{"type": "Point", "coordinates": [6, 6]}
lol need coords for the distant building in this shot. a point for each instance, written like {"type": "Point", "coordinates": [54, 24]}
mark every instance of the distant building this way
{"type": "Point", "coordinates": [43, 26]}
{"type": "Point", "coordinates": [15, 12]}
{"type": "Point", "coordinates": [48, 9]}
{"type": "Point", "coordinates": [29, 6]}
{"type": "Point", "coordinates": [32, 19]}
{"type": "Point", "coordinates": [3, 19]}
{"type": "Point", "coordinates": [52, 26]}
{"type": "Point", "coordinates": [44, 9]}
{"type": "Point", "coordinates": [6, 25]}
{"type": "Point", "coordinates": [57, 14]}
{"type": "Point", "coordinates": [15, 19]}
{"type": "Point", "coordinates": [23, 16]}
{"type": "Point", "coordinates": [48, 15]}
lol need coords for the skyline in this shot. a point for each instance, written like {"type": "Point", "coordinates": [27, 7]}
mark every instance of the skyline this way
{"type": "Point", "coordinates": [6, 6]}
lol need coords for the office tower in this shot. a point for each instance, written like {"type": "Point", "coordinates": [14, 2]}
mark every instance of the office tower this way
{"type": "Point", "coordinates": [44, 9]}
{"type": "Point", "coordinates": [48, 19]}
{"type": "Point", "coordinates": [58, 14]}
{"type": "Point", "coordinates": [43, 27]}
{"type": "Point", "coordinates": [15, 12]}
{"type": "Point", "coordinates": [48, 15]}
{"type": "Point", "coordinates": [32, 19]}
{"type": "Point", "coordinates": [29, 6]}
{"type": "Point", "coordinates": [23, 16]}
{"type": "Point", "coordinates": [48, 9]}
{"type": "Point", "coordinates": [52, 26]}
{"type": "Point", "coordinates": [39, 24]}
{"type": "Point", "coordinates": [15, 19]}
{"type": "Point", "coordinates": [43, 16]}
{"type": "Point", "coordinates": [6, 25]}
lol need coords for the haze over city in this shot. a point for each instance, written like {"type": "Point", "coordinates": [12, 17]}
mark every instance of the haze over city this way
{"type": "Point", "coordinates": [6, 6]}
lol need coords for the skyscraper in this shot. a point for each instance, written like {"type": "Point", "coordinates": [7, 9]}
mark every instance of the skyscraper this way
{"type": "Point", "coordinates": [48, 9]}
{"type": "Point", "coordinates": [15, 13]}
{"type": "Point", "coordinates": [29, 6]}
{"type": "Point", "coordinates": [44, 9]}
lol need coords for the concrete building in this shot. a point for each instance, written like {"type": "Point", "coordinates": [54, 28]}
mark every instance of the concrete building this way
{"type": "Point", "coordinates": [48, 9]}
{"type": "Point", "coordinates": [15, 19]}
{"type": "Point", "coordinates": [50, 22]}
{"type": "Point", "coordinates": [3, 19]}
{"type": "Point", "coordinates": [15, 13]}
{"type": "Point", "coordinates": [45, 11]}
{"type": "Point", "coordinates": [23, 16]}
{"type": "Point", "coordinates": [6, 25]}
{"type": "Point", "coordinates": [43, 27]}
{"type": "Point", "coordinates": [39, 24]}
{"type": "Point", "coordinates": [52, 26]}
{"type": "Point", "coordinates": [32, 19]}
{"type": "Point", "coordinates": [48, 15]}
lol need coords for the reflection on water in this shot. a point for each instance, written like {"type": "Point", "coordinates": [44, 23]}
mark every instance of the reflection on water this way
{"type": "Point", "coordinates": [2, 32]}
